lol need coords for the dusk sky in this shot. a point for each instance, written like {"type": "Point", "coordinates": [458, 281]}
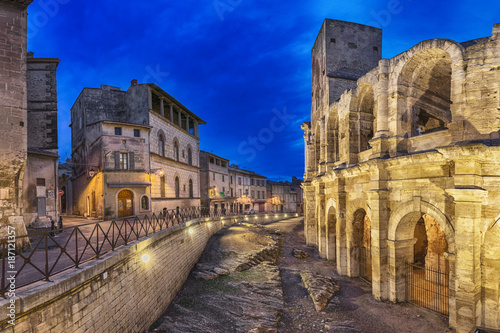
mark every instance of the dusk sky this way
{"type": "Point", "coordinates": [242, 66]}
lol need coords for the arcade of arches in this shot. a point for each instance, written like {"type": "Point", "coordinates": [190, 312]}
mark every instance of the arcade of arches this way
{"type": "Point", "coordinates": [403, 171]}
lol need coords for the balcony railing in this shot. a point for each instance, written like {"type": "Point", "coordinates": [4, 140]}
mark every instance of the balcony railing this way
{"type": "Point", "coordinates": [51, 252]}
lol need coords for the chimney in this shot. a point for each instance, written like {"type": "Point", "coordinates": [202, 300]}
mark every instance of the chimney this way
{"type": "Point", "coordinates": [133, 82]}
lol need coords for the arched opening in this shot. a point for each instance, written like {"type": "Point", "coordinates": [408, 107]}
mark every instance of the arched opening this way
{"type": "Point", "coordinates": [125, 203]}
{"type": "Point", "coordinates": [144, 203]}
{"type": "Point", "coordinates": [176, 150]}
{"type": "Point", "coordinates": [366, 117]}
{"type": "Point", "coordinates": [421, 269]}
{"type": "Point", "coordinates": [332, 137]}
{"type": "Point", "coordinates": [424, 90]}
{"type": "Point", "coordinates": [161, 145]}
{"type": "Point", "coordinates": [332, 234]}
{"type": "Point", "coordinates": [490, 266]}
{"type": "Point", "coordinates": [177, 187]}
{"type": "Point", "coordinates": [190, 188]}
{"type": "Point", "coordinates": [190, 156]}
{"type": "Point", "coordinates": [361, 259]}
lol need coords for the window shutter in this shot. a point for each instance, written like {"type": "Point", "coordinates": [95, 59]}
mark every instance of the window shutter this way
{"type": "Point", "coordinates": [117, 160]}
{"type": "Point", "coordinates": [132, 161]}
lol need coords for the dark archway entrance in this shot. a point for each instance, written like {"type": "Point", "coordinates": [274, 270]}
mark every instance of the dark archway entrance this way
{"type": "Point", "coordinates": [361, 258]}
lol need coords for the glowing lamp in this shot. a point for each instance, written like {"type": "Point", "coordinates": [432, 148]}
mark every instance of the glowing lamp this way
{"type": "Point", "coordinates": [146, 258]}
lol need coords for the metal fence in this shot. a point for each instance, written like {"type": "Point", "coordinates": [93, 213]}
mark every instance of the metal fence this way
{"type": "Point", "coordinates": [48, 253]}
{"type": "Point", "coordinates": [427, 288]}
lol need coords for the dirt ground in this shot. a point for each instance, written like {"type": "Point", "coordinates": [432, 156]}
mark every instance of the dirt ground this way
{"type": "Point", "coordinates": [353, 309]}
{"type": "Point", "coordinates": [270, 296]}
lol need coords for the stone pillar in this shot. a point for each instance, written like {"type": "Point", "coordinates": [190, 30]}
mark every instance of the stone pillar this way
{"type": "Point", "coordinates": [162, 109]}
{"type": "Point", "coordinates": [309, 214]}
{"type": "Point", "coordinates": [382, 99]}
{"type": "Point", "coordinates": [171, 113]}
{"type": "Point", "coordinates": [322, 157]}
{"type": "Point", "coordinates": [321, 220]}
{"type": "Point", "coordinates": [468, 221]}
{"type": "Point", "coordinates": [196, 134]}
{"type": "Point", "coordinates": [187, 124]}
{"type": "Point", "coordinates": [378, 201]}
{"type": "Point", "coordinates": [341, 234]}
{"type": "Point", "coordinates": [179, 119]}
{"type": "Point", "coordinates": [400, 252]}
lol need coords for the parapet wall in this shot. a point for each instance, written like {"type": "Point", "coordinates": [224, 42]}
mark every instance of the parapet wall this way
{"type": "Point", "coordinates": [120, 292]}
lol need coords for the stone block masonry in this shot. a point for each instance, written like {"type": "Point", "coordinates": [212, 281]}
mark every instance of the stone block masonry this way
{"type": "Point", "coordinates": [12, 107]}
{"type": "Point", "coordinates": [119, 293]}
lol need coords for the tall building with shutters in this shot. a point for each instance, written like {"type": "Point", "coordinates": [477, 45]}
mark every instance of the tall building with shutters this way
{"type": "Point", "coordinates": [133, 152]}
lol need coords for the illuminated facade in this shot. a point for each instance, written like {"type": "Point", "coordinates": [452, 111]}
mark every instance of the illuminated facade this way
{"type": "Point", "coordinates": [402, 163]}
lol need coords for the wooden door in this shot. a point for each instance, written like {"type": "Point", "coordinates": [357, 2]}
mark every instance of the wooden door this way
{"type": "Point", "coordinates": [125, 203]}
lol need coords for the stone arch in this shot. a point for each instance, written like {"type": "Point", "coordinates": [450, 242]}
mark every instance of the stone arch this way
{"type": "Point", "coordinates": [366, 115]}
{"type": "Point", "coordinates": [401, 241]}
{"type": "Point", "coordinates": [359, 245]}
{"type": "Point", "coordinates": [332, 137]}
{"type": "Point", "coordinates": [331, 230]}
{"type": "Point", "coordinates": [424, 78]}
{"type": "Point", "coordinates": [125, 203]}
{"type": "Point", "coordinates": [490, 266]}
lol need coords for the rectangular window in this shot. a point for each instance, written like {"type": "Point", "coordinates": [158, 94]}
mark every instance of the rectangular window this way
{"type": "Point", "coordinates": [231, 179]}
{"type": "Point", "coordinates": [239, 180]}
{"type": "Point", "coordinates": [118, 131]}
{"type": "Point", "coordinates": [240, 192]}
{"type": "Point", "coordinates": [246, 192]}
{"type": "Point", "coordinates": [231, 191]}
{"type": "Point", "coordinates": [40, 182]}
{"type": "Point", "coordinates": [253, 194]}
{"type": "Point", "coordinates": [124, 161]}
{"type": "Point", "coordinates": [212, 160]}
{"type": "Point", "coordinates": [155, 103]}
{"type": "Point", "coordinates": [223, 179]}
{"type": "Point", "coordinates": [213, 176]}
{"type": "Point", "coordinates": [137, 133]}
{"type": "Point", "coordinates": [224, 190]}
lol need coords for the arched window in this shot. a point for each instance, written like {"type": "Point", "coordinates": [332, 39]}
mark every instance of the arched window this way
{"type": "Point", "coordinates": [144, 203]}
{"type": "Point", "coordinates": [190, 156]}
{"type": "Point", "coordinates": [177, 187]}
{"type": "Point", "coordinates": [161, 145]}
{"type": "Point", "coordinates": [190, 188]}
{"type": "Point", "coordinates": [176, 151]}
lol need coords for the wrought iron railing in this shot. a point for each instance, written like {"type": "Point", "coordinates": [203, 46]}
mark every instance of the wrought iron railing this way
{"type": "Point", "coordinates": [51, 252]}
{"type": "Point", "coordinates": [428, 288]}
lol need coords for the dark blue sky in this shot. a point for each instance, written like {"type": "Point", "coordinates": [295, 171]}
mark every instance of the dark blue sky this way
{"type": "Point", "coordinates": [243, 66]}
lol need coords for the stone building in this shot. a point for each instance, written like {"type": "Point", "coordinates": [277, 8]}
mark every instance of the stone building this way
{"type": "Point", "coordinates": [28, 164]}
{"type": "Point", "coordinates": [281, 197]}
{"type": "Point", "coordinates": [133, 151]}
{"type": "Point", "coordinates": [249, 188]}
{"type": "Point", "coordinates": [41, 178]}
{"type": "Point", "coordinates": [13, 105]}
{"type": "Point", "coordinates": [216, 185]}
{"type": "Point", "coordinates": [402, 166]}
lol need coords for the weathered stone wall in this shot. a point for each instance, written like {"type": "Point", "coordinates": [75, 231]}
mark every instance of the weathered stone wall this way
{"type": "Point", "coordinates": [42, 102]}
{"type": "Point", "coordinates": [416, 138]}
{"type": "Point", "coordinates": [120, 292]}
{"type": "Point", "coordinates": [13, 134]}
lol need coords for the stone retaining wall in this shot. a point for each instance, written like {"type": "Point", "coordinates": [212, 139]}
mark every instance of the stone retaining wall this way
{"type": "Point", "coordinates": [120, 292]}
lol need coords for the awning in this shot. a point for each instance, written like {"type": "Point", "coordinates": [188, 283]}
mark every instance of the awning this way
{"type": "Point", "coordinates": [129, 184]}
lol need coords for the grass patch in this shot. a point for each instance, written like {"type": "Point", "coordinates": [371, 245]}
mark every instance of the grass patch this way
{"type": "Point", "coordinates": [188, 302]}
